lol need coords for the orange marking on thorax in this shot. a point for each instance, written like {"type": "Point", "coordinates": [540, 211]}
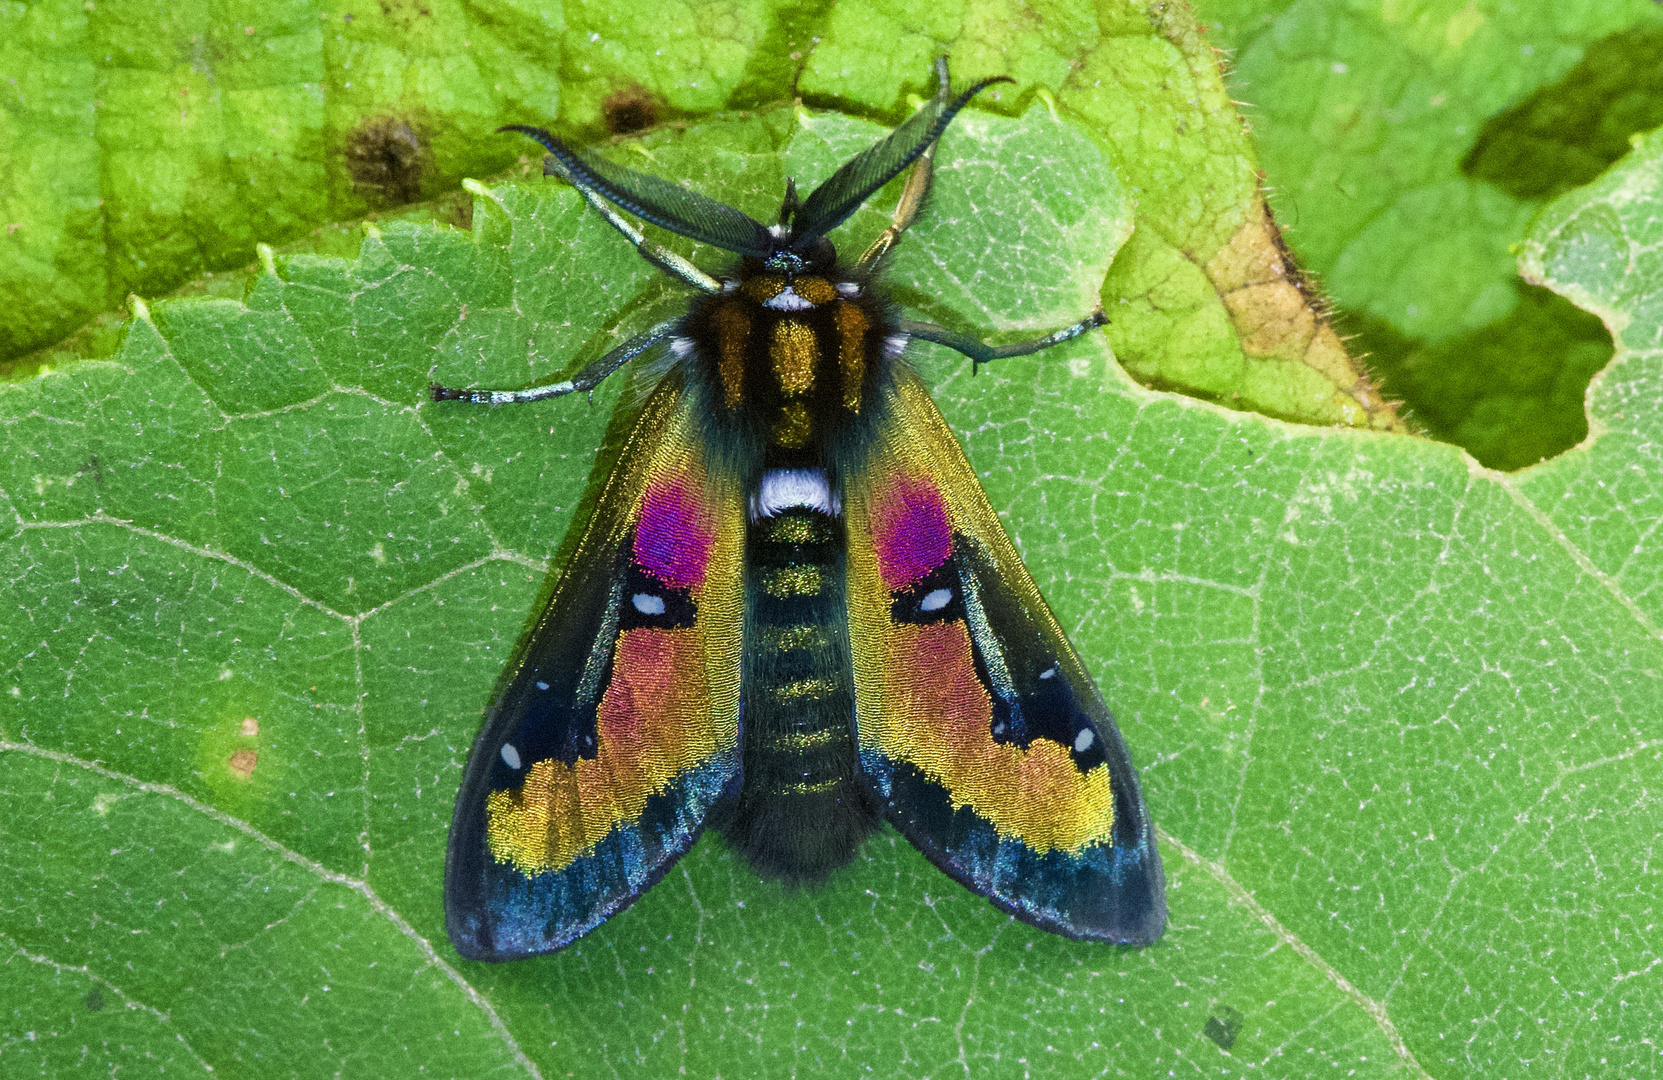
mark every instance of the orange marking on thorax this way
{"type": "Point", "coordinates": [851, 350]}
{"type": "Point", "coordinates": [762, 287]}
{"type": "Point", "coordinates": [733, 327]}
{"type": "Point", "coordinates": [816, 290]}
{"type": "Point", "coordinates": [795, 426]}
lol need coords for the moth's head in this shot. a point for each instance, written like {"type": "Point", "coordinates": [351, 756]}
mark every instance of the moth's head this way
{"type": "Point", "coordinates": [794, 252]}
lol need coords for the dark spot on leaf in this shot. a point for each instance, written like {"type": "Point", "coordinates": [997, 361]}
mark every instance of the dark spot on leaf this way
{"type": "Point", "coordinates": [1223, 1027]}
{"type": "Point", "coordinates": [93, 469]}
{"type": "Point", "coordinates": [630, 109]}
{"type": "Point", "coordinates": [406, 11]}
{"type": "Point", "coordinates": [387, 159]}
{"type": "Point", "coordinates": [1564, 135]}
{"type": "Point", "coordinates": [242, 763]}
{"type": "Point", "coordinates": [94, 1000]}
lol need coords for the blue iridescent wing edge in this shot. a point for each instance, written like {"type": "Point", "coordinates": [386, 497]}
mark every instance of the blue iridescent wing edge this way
{"type": "Point", "coordinates": [1113, 892]}
{"type": "Point", "coordinates": [492, 911]}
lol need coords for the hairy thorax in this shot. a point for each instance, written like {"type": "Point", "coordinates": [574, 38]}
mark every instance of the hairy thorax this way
{"type": "Point", "coordinates": [794, 359]}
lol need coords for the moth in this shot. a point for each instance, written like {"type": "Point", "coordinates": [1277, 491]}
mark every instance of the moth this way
{"type": "Point", "coordinates": [793, 615]}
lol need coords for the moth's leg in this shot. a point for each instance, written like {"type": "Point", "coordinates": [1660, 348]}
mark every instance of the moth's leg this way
{"type": "Point", "coordinates": [917, 186]}
{"type": "Point", "coordinates": [587, 379]}
{"type": "Point", "coordinates": [981, 354]}
{"type": "Point", "coordinates": [912, 197]}
{"type": "Point", "coordinates": [655, 253]}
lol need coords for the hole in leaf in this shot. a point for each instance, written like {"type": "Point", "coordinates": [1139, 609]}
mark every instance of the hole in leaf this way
{"type": "Point", "coordinates": [1564, 135]}
{"type": "Point", "coordinates": [1511, 393]}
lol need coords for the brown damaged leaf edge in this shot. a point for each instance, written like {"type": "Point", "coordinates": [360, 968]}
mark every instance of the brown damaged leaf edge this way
{"type": "Point", "coordinates": [1278, 316]}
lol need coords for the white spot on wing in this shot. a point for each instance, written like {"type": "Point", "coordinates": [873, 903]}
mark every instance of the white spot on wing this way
{"type": "Point", "coordinates": [510, 756]}
{"type": "Point", "coordinates": [1083, 741]}
{"type": "Point", "coordinates": [647, 603]}
{"type": "Point", "coordinates": [782, 489]}
{"type": "Point", "coordinates": [541, 685]}
{"type": "Point", "coordinates": [787, 300]}
{"type": "Point", "coordinates": [1049, 673]}
{"type": "Point", "coordinates": [936, 600]}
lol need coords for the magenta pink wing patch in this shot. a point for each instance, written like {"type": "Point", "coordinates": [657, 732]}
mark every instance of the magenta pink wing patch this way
{"type": "Point", "coordinates": [674, 535]}
{"type": "Point", "coordinates": [911, 530]}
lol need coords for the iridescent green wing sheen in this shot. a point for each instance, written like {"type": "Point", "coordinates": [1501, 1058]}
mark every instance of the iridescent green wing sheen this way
{"type": "Point", "coordinates": [617, 727]}
{"type": "Point", "coordinates": [978, 726]}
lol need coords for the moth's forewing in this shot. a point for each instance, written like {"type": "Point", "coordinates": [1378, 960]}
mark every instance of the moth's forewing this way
{"type": "Point", "coordinates": [978, 725]}
{"type": "Point", "coordinates": [617, 727]}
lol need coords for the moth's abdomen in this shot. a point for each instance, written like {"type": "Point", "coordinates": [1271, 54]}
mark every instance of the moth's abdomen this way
{"type": "Point", "coordinates": [803, 808]}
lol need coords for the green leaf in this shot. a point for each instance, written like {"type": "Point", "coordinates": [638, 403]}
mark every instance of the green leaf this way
{"type": "Point", "coordinates": [1408, 148]}
{"type": "Point", "coordinates": [1393, 712]}
{"type": "Point", "coordinates": [213, 129]}
{"type": "Point", "coordinates": [196, 942]}
{"type": "Point", "coordinates": [143, 146]}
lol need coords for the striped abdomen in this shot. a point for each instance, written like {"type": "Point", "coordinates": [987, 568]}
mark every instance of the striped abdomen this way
{"type": "Point", "coordinates": [803, 809]}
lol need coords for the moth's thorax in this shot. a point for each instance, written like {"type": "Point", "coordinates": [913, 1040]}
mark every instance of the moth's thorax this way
{"type": "Point", "coordinates": [793, 356]}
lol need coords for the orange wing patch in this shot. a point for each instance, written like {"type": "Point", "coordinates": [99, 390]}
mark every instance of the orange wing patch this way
{"type": "Point", "coordinates": [938, 718]}
{"type": "Point", "coordinates": [654, 725]}
{"type": "Point", "coordinates": [915, 511]}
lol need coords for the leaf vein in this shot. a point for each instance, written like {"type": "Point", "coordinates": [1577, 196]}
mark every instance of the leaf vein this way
{"type": "Point", "coordinates": [1238, 893]}
{"type": "Point", "coordinates": [317, 869]}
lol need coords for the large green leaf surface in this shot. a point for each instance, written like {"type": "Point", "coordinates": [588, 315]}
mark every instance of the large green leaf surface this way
{"type": "Point", "coordinates": [1396, 714]}
{"type": "Point", "coordinates": [140, 146]}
